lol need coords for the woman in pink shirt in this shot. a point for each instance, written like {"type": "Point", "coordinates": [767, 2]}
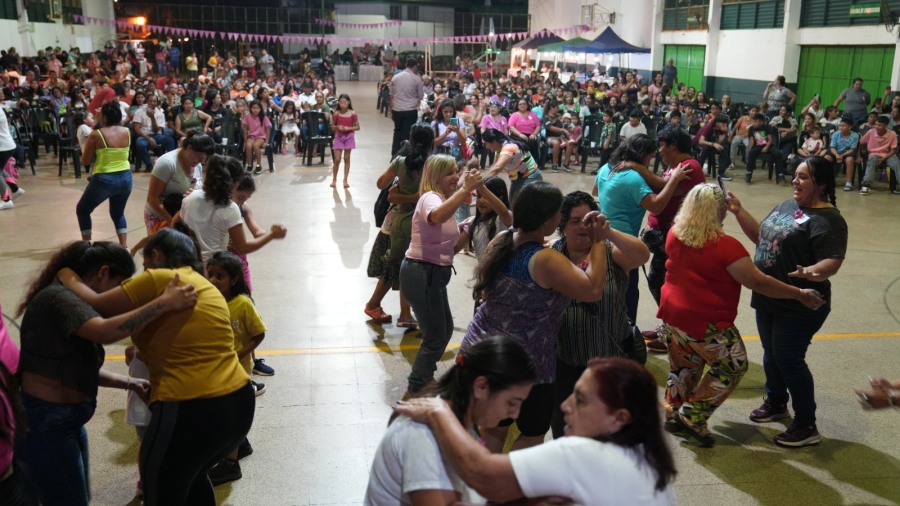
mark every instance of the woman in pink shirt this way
{"type": "Point", "coordinates": [524, 124]}
{"type": "Point", "coordinates": [425, 271]}
{"type": "Point", "coordinates": [256, 127]}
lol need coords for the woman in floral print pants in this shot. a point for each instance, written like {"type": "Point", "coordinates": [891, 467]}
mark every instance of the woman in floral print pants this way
{"type": "Point", "coordinates": [705, 271]}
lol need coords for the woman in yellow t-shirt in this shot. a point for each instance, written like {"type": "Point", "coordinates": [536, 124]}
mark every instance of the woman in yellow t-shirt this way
{"type": "Point", "coordinates": [201, 399]}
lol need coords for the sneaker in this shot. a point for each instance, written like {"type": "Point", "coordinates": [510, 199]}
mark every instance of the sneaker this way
{"type": "Point", "coordinates": [258, 388]}
{"type": "Point", "coordinates": [258, 170]}
{"type": "Point", "coordinates": [6, 205]}
{"type": "Point", "coordinates": [249, 169]}
{"type": "Point", "coordinates": [730, 167]}
{"type": "Point", "coordinates": [18, 193]}
{"type": "Point", "coordinates": [554, 168]}
{"type": "Point", "coordinates": [260, 368]}
{"type": "Point", "coordinates": [244, 450]}
{"type": "Point", "coordinates": [769, 412]}
{"type": "Point", "coordinates": [848, 186]}
{"type": "Point", "coordinates": [747, 176]}
{"type": "Point", "coordinates": [225, 471]}
{"type": "Point", "coordinates": [780, 179]}
{"type": "Point", "coordinates": [798, 436]}
{"type": "Point", "coordinates": [567, 168]}
{"type": "Point", "coordinates": [726, 177]}
{"type": "Point", "coordinates": [863, 190]}
{"type": "Point", "coordinates": [896, 191]}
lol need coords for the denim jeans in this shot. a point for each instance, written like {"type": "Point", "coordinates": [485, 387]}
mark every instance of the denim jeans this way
{"type": "Point", "coordinates": [425, 287]}
{"type": "Point", "coordinates": [785, 339]}
{"type": "Point", "coordinates": [115, 186]}
{"type": "Point", "coordinates": [516, 186]}
{"type": "Point", "coordinates": [142, 148]}
{"type": "Point", "coordinates": [873, 170]}
{"type": "Point", "coordinates": [53, 457]}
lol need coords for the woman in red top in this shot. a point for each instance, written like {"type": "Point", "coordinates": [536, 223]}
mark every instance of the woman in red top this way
{"type": "Point", "coordinates": [704, 274]}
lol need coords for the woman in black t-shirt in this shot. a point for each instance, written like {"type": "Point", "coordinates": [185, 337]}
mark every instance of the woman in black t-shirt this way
{"type": "Point", "coordinates": [60, 364]}
{"type": "Point", "coordinates": [802, 242]}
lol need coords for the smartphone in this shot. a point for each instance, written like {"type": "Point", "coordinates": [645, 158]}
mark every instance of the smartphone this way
{"type": "Point", "coordinates": [454, 121]}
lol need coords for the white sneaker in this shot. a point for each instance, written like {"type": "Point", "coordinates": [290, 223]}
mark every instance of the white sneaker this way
{"type": "Point", "coordinates": [730, 167]}
{"type": "Point", "coordinates": [18, 193]}
{"type": "Point", "coordinates": [864, 190]}
{"type": "Point", "coordinates": [6, 205]}
{"type": "Point", "coordinates": [848, 186]}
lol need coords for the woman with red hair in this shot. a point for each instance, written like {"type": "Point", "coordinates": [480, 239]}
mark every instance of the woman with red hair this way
{"type": "Point", "coordinates": [616, 452]}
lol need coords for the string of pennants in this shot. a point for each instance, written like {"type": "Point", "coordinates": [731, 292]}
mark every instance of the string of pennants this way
{"type": "Point", "coordinates": [329, 39]}
{"type": "Point", "coordinates": [355, 26]}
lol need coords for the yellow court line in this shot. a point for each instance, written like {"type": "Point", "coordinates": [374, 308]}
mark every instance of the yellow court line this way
{"type": "Point", "coordinates": [386, 348]}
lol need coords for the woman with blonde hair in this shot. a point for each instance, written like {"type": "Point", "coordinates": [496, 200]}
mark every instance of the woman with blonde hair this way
{"type": "Point", "coordinates": [425, 271]}
{"type": "Point", "coordinates": [698, 306]}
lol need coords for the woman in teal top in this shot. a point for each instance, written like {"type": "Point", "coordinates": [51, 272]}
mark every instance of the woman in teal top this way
{"type": "Point", "coordinates": [107, 148]}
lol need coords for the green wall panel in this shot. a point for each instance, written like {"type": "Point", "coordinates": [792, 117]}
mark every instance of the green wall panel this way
{"type": "Point", "coordinates": [828, 70]}
{"type": "Point", "coordinates": [690, 61]}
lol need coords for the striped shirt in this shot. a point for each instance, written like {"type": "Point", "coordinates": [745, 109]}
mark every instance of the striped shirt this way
{"type": "Point", "coordinates": [595, 329]}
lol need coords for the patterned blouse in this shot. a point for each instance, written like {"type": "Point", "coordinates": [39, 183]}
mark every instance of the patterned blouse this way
{"type": "Point", "coordinates": [517, 307]}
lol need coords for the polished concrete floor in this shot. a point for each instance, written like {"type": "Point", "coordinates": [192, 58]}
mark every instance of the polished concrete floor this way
{"type": "Point", "coordinates": [324, 411]}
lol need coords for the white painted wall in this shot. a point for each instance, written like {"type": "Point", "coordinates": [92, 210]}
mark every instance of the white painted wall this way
{"type": "Point", "coordinates": [756, 55]}
{"type": "Point", "coordinates": [434, 22]}
{"type": "Point", "coordinates": [41, 35]}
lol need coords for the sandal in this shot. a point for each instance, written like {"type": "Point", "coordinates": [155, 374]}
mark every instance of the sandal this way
{"type": "Point", "coordinates": [377, 315]}
{"type": "Point", "coordinates": [409, 323]}
{"type": "Point", "coordinates": [703, 437]}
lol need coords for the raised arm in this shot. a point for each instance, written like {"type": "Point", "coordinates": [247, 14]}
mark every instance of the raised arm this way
{"type": "Point", "coordinates": [747, 274]}
{"type": "Point", "coordinates": [245, 246]}
{"type": "Point", "coordinates": [747, 222]}
{"type": "Point", "coordinates": [448, 207]}
{"type": "Point", "coordinates": [122, 318]}
{"type": "Point", "coordinates": [554, 270]}
{"type": "Point", "coordinates": [656, 202]}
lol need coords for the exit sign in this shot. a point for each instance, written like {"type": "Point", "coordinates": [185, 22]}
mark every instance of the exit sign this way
{"type": "Point", "coordinates": [867, 10]}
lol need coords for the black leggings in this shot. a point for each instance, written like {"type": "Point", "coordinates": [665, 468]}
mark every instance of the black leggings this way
{"type": "Point", "coordinates": [185, 439]}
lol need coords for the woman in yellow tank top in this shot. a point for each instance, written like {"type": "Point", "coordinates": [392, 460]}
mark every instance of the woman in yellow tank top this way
{"type": "Point", "coordinates": [107, 148]}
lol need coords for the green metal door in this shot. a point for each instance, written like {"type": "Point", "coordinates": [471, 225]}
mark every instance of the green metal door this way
{"type": "Point", "coordinates": [689, 60]}
{"type": "Point", "coordinates": [828, 70]}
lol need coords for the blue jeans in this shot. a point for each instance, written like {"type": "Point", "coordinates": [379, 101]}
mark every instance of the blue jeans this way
{"type": "Point", "coordinates": [142, 148]}
{"type": "Point", "coordinates": [785, 339]}
{"type": "Point", "coordinates": [115, 186]}
{"type": "Point", "coordinates": [54, 453]}
{"type": "Point", "coordinates": [425, 287]}
{"type": "Point", "coordinates": [516, 186]}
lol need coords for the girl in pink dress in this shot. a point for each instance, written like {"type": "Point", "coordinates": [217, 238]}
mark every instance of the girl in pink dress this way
{"type": "Point", "coordinates": [344, 124]}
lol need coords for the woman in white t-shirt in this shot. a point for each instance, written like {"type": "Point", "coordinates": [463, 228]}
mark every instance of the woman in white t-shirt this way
{"type": "Point", "coordinates": [214, 218]}
{"type": "Point", "coordinates": [486, 385]}
{"type": "Point", "coordinates": [614, 453]}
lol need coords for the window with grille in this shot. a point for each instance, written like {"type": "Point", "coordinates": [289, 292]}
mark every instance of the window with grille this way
{"type": "Point", "coordinates": [752, 14]}
{"type": "Point", "coordinates": [685, 15]}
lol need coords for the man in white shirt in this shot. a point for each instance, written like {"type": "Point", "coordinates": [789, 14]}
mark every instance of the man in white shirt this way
{"type": "Point", "coordinates": [633, 127]}
{"type": "Point", "coordinates": [148, 124]}
{"type": "Point", "coordinates": [307, 96]}
{"type": "Point", "coordinates": [407, 91]}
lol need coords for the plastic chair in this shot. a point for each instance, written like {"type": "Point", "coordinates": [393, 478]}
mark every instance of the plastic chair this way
{"type": "Point", "coordinates": [312, 120]}
{"type": "Point", "coordinates": [24, 135]}
{"type": "Point", "coordinates": [68, 144]}
{"type": "Point", "coordinates": [591, 139]}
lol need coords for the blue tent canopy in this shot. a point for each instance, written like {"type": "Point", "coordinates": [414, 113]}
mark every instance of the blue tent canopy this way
{"type": "Point", "coordinates": [606, 43]}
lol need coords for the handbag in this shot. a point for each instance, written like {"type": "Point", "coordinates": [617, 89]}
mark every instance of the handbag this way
{"type": "Point", "coordinates": [633, 345]}
{"type": "Point", "coordinates": [382, 204]}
